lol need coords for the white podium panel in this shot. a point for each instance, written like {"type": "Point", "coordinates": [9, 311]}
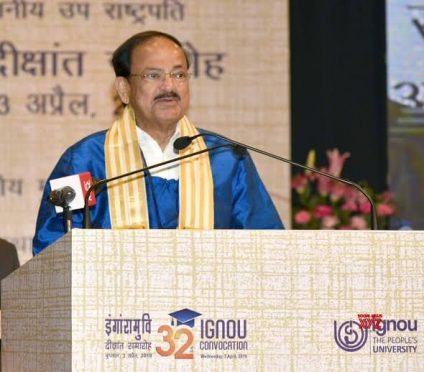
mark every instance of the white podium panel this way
{"type": "Point", "coordinates": [100, 300]}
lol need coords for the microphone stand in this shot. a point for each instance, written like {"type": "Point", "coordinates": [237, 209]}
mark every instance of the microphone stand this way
{"type": "Point", "coordinates": [67, 218]}
{"type": "Point", "coordinates": [183, 142]}
{"type": "Point", "coordinates": [95, 186]}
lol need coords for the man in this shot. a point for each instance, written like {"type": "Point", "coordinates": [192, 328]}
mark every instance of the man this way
{"type": "Point", "coordinates": [220, 189]}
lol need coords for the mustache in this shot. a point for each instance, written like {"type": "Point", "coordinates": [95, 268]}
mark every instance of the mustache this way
{"type": "Point", "coordinates": [170, 94]}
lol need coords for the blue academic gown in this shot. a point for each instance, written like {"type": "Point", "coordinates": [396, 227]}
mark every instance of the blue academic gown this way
{"type": "Point", "coordinates": [240, 198]}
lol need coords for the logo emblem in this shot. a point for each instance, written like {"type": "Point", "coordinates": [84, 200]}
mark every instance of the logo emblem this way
{"type": "Point", "coordinates": [184, 317]}
{"type": "Point", "coordinates": [350, 336]}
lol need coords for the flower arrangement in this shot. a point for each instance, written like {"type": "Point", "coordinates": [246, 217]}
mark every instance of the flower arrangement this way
{"type": "Point", "coordinates": [322, 203]}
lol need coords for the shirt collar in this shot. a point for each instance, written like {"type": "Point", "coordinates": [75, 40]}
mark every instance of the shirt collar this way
{"type": "Point", "coordinates": [146, 140]}
{"type": "Point", "coordinates": [153, 154]}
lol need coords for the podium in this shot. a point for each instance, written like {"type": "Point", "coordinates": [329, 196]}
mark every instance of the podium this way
{"type": "Point", "coordinates": [156, 300]}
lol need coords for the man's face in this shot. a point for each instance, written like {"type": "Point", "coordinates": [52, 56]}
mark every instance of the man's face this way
{"type": "Point", "coordinates": [157, 104]}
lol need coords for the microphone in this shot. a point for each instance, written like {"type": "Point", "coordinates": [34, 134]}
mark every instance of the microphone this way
{"type": "Point", "coordinates": [62, 197]}
{"type": "Point", "coordinates": [79, 183]}
{"type": "Point", "coordinates": [94, 187]}
{"type": "Point", "coordinates": [182, 142]}
{"type": "Point", "coordinates": [68, 194]}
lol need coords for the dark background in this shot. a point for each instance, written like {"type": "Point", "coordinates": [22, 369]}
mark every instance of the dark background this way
{"type": "Point", "coordinates": [338, 84]}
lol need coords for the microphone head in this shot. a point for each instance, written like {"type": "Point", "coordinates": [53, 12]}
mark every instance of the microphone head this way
{"type": "Point", "coordinates": [62, 197]}
{"type": "Point", "coordinates": [68, 194]}
{"type": "Point", "coordinates": [182, 142]}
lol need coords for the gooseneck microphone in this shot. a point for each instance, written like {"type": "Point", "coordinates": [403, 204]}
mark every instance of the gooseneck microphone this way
{"type": "Point", "coordinates": [62, 197]}
{"type": "Point", "coordinates": [95, 186]}
{"type": "Point", "coordinates": [182, 142]}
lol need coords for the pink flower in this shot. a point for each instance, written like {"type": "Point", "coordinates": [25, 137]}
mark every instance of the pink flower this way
{"type": "Point", "coordinates": [336, 161]}
{"type": "Point", "coordinates": [350, 193]}
{"type": "Point", "coordinates": [299, 182]}
{"type": "Point", "coordinates": [324, 203]}
{"type": "Point", "coordinates": [323, 210]}
{"type": "Point", "coordinates": [323, 184]}
{"type": "Point", "coordinates": [338, 191]}
{"type": "Point", "coordinates": [358, 223]}
{"type": "Point", "coordinates": [350, 206]}
{"type": "Point", "coordinates": [345, 227]}
{"type": "Point", "coordinates": [302, 217]}
{"type": "Point", "coordinates": [365, 207]}
{"type": "Point", "coordinates": [387, 196]}
{"type": "Point", "coordinates": [329, 222]}
{"type": "Point", "coordinates": [385, 209]}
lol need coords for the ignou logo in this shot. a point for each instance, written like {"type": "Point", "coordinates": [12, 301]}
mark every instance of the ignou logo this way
{"type": "Point", "coordinates": [400, 325]}
{"type": "Point", "coordinates": [350, 336]}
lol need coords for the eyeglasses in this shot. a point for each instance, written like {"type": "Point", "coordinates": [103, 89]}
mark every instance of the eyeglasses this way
{"type": "Point", "coordinates": [160, 76]}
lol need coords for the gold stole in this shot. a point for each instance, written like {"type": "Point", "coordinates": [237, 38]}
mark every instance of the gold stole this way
{"type": "Point", "coordinates": [127, 196]}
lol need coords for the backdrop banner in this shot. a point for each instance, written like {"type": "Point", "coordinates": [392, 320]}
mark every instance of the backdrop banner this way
{"type": "Point", "coordinates": [405, 37]}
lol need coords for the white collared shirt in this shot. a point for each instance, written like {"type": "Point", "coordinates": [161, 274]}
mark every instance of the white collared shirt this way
{"type": "Point", "coordinates": [153, 154]}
